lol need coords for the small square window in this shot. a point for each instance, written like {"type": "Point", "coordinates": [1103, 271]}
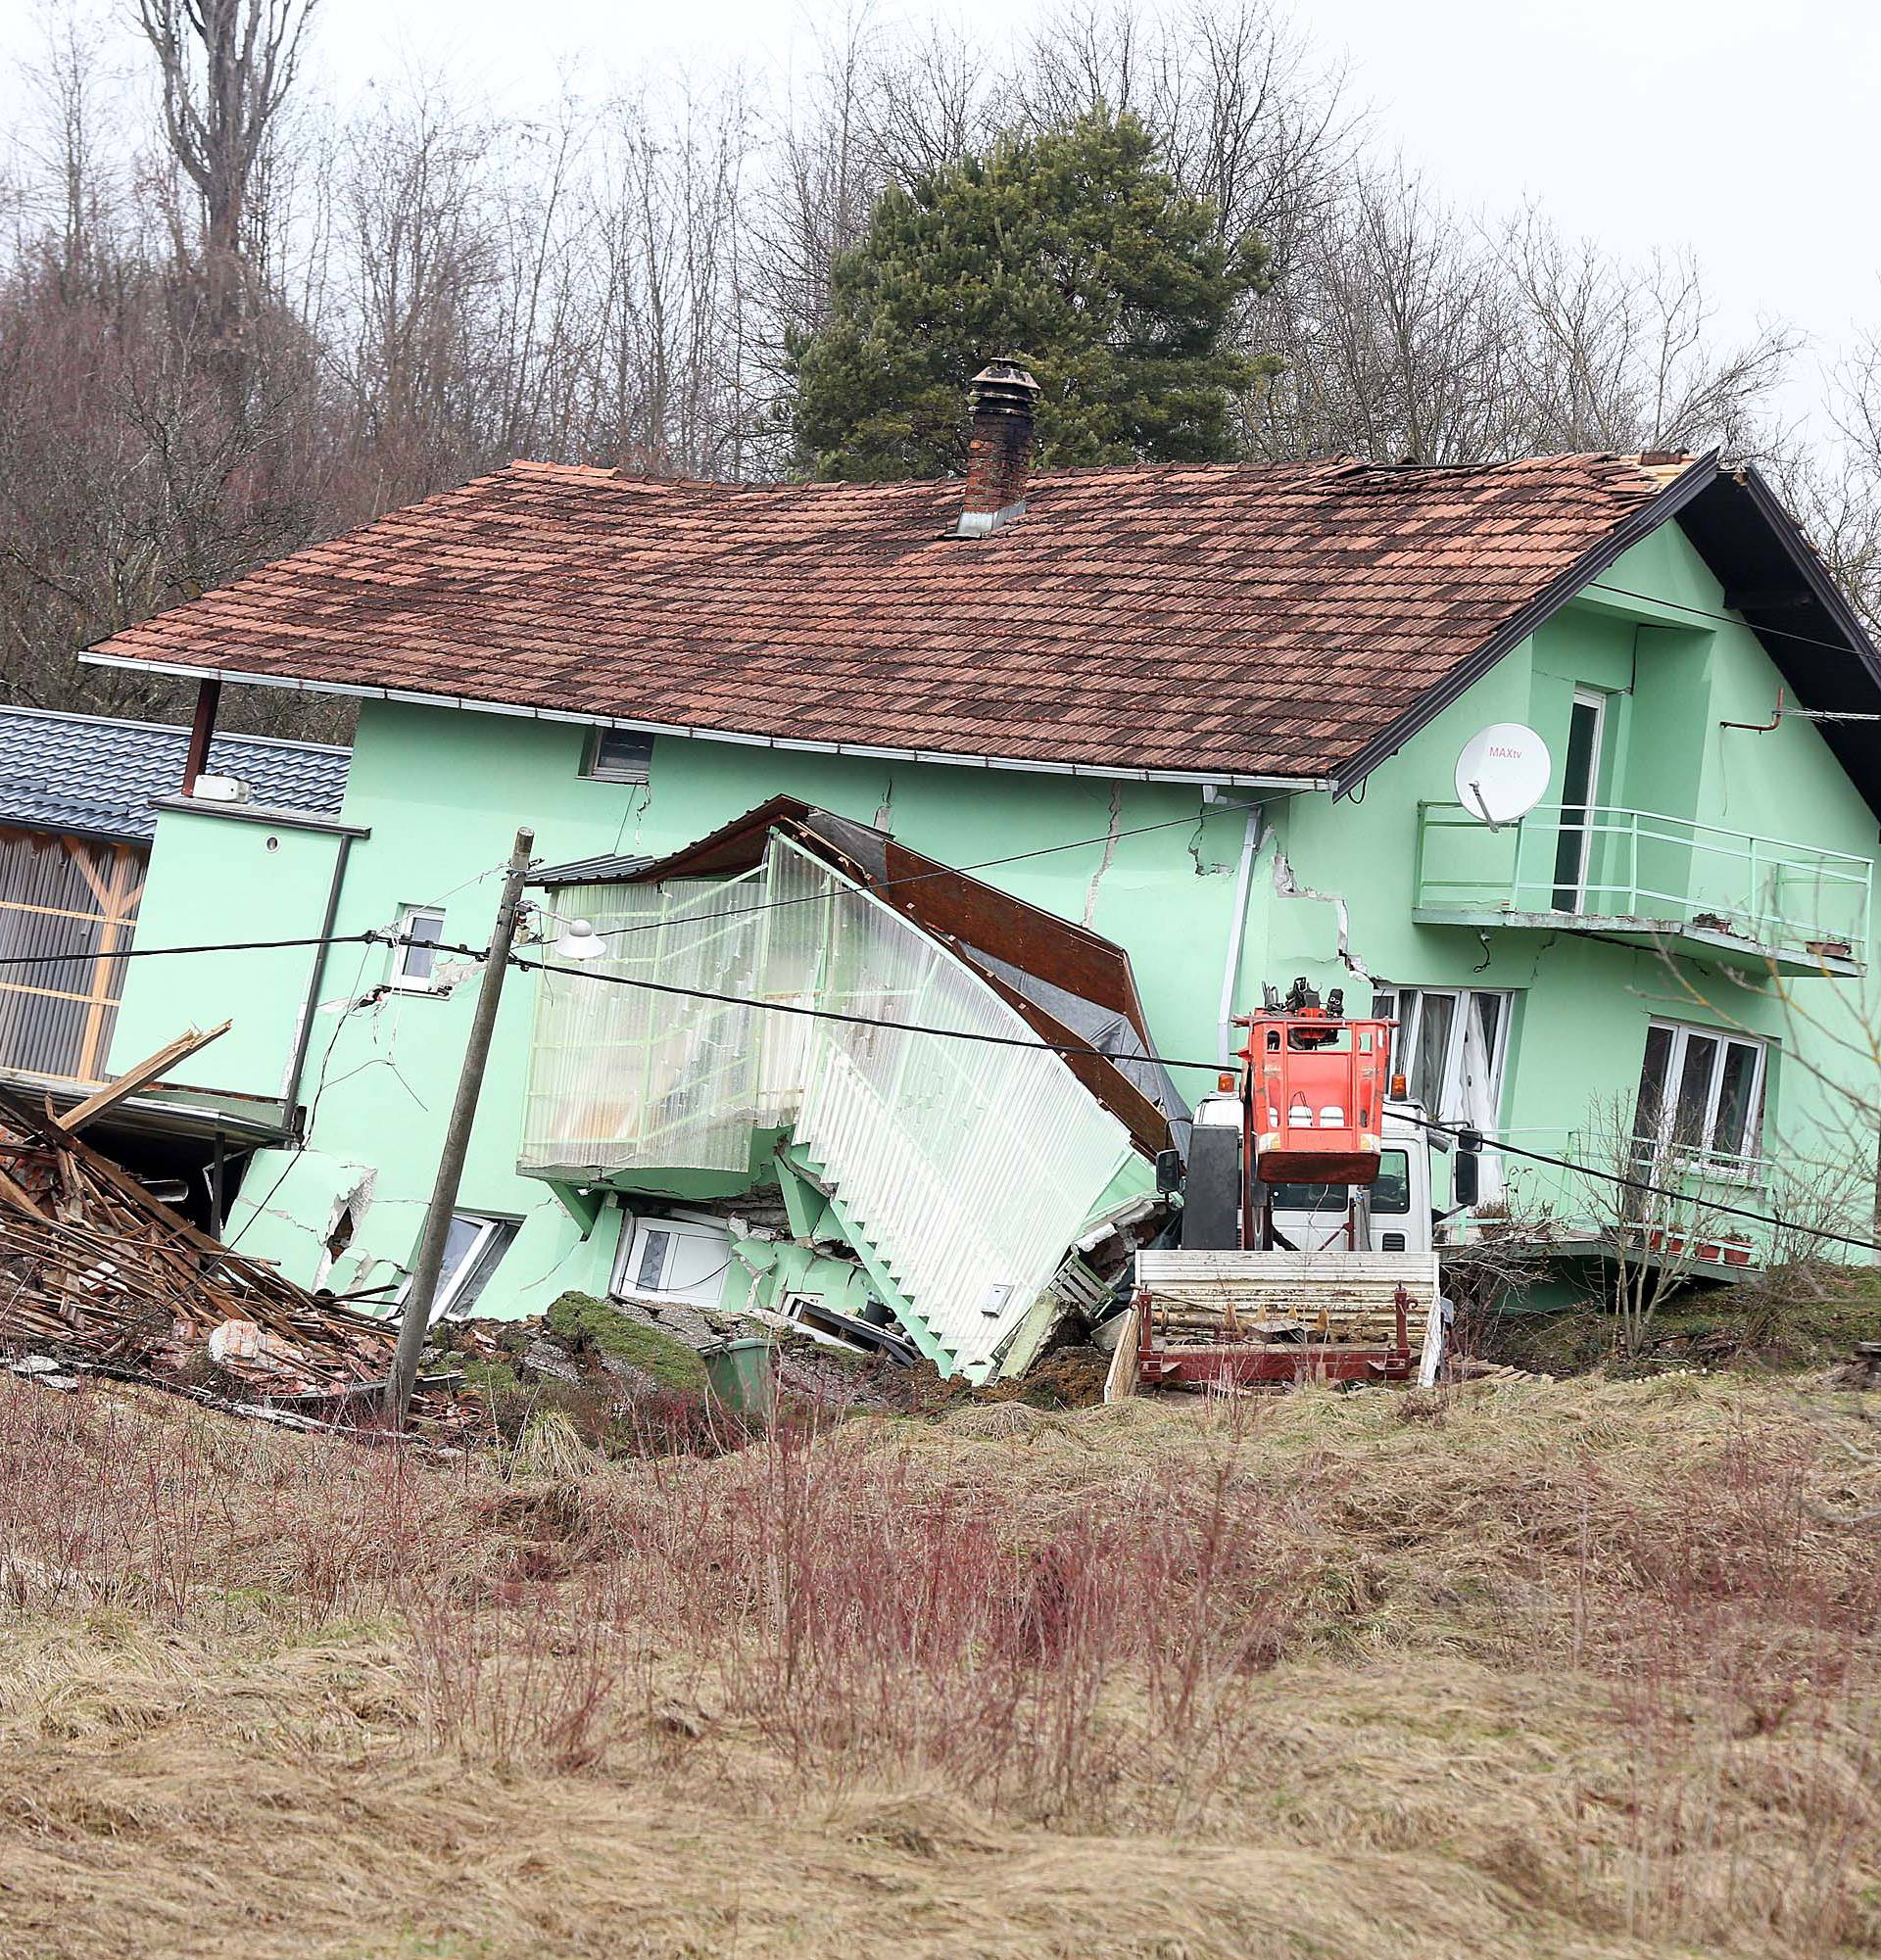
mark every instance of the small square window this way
{"type": "Point", "coordinates": [415, 959]}
{"type": "Point", "coordinates": [618, 756]}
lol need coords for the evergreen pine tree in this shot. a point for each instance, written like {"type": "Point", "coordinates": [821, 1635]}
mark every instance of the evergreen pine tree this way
{"type": "Point", "coordinates": [1070, 251]}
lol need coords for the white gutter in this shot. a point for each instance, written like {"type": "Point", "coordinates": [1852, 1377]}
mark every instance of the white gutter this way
{"type": "Point", "coordinates": [1236, 933]}
{"type": "Point", "coordinates": [1105, 771]}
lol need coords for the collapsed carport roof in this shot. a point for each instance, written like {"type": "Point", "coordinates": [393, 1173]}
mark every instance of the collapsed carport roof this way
{"type": "Point", "coordinates": [1072, 986]}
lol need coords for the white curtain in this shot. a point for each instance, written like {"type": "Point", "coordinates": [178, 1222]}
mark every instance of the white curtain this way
{"type": "Point", "coordinates": [1477, 1095]}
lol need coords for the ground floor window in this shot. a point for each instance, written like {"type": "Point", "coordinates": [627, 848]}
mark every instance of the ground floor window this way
{"type": "Point", "coordinates": [1449, 1047]}
{"type": "Point", "coordinates": [474, 1249]}
{"type": "Point", "coordinates": [684, 1260]}
{"type": "Point", "coordinates": [1701, 1095]}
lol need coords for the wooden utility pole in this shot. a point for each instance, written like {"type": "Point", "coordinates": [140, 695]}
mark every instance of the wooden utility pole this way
{"type": "Point", "coordinates": [416, 1323]}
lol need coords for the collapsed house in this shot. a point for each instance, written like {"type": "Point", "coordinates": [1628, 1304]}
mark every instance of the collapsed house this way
{"type": "Point", "coordinates": [836, 1083]}
{"type": "Point", "coordinates": [1223, 715]}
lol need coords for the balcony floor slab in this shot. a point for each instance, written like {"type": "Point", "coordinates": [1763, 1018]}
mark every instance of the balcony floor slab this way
{"type": "Point", "coordinates": [1679, 936]}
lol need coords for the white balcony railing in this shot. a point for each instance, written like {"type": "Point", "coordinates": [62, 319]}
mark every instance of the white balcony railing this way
{"type": "Point", "coordinates": [1598, 865]}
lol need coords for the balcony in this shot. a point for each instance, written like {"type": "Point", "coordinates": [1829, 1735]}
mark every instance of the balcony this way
{"type": "Point", "coordinates": [1647, 880]}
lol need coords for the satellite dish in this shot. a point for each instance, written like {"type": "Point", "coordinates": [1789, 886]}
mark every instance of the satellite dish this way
{"type": "Point", "coordinates": [1502, 772]}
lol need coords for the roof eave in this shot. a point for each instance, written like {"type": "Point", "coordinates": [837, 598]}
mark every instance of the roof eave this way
{"type": "Point", "coordinates": [1636, 525]}
{"type": "Point", "coordinates": [869, 751]}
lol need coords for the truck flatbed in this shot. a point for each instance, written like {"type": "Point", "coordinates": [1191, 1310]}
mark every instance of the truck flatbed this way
{"type": "Point", "coordinates": [1202, 1319]}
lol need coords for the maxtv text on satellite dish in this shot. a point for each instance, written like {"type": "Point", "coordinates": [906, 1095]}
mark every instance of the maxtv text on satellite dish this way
{"type": "Point", "coordinates": [1502, 772]}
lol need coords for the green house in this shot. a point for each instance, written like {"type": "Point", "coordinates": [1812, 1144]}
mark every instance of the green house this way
{"type": "Point", "coordinates": [1205, 721]}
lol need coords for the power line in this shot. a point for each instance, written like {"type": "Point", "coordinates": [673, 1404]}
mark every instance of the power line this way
{"type": "Point", "coordinates": [949, 1033]}
{"type": "Point", "coordinates": [1177, 1062]}
{"type": "Point", "coordinates": [941, 870]}
{"type": "Point", "coordinates": [1652, 1189]}
{"type": "Point", "coordinates": [388, 938]}
{"type": "Point", "coordinates": [229, 946]}
{"type": "Point", "coordinates": [1728, 619]}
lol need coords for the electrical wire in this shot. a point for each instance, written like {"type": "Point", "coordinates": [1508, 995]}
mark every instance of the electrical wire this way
{"type": "Point", "coordinates": [1728, 619]}
{"type": "Point", "coordinates": [1064, 1049]}
{"type": "Point", "coordinates": [949, 869]}
{"type": "Point", "coordinates": [387, 936]}
{"type": "Point", "coordinates": [229, 946]}
{"type": "Point", "coordinates": [1646, 1185]}
{"type": "Point", "coordinates": [1179, 1062]}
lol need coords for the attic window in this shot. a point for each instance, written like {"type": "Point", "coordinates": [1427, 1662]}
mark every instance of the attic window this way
{"type": "Point", "coordinates": [618, 756]}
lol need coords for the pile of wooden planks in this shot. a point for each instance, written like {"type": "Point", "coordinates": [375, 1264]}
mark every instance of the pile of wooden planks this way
{"type": "Point", "coordinates": [92, 1267]}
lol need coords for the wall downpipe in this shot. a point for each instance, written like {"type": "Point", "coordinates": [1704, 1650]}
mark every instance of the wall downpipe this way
{"type": "Point", "coordinates": [1236, 933]}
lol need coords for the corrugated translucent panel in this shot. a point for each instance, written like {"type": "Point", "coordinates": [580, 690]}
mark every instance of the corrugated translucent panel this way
{"type": "Point", "coordinates": [625, 1077]}
{"type": "Point", "coordinates": [65, 908]}
{"type": "Point", "coordinates": [970, 1166]}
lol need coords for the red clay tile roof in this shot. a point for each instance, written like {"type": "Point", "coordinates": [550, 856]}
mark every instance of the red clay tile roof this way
{"type": "Point", "coordinates": [1240, 620]}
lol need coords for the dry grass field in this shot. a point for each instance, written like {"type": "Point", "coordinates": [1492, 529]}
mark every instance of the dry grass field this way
{"type": "Point", "coordinates": [1578, 1669]}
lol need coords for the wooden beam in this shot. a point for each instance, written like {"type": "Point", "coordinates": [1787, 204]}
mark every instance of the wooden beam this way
{"type": "Point", "coordinates": [141, 1077]}
{"type": "Point", "coordinates": [202, 732]}
{"type": "Point", "coordinates": [18, 1195]}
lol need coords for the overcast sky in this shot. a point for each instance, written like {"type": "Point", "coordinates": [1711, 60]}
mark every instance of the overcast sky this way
{"type": "Point", "coordinates": [1743, 128]}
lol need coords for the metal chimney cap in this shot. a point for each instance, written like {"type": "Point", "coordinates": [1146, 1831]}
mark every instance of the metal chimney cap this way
{"type": "Point", "coordinates": [1002, 382]}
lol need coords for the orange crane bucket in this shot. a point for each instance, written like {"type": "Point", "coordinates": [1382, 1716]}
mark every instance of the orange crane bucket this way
{"type": "Point", "coordinates": [1316, 1090]}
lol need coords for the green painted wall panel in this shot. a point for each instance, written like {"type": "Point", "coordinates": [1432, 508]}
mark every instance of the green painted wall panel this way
{"type": "Point", "coordinates": [214, 880]}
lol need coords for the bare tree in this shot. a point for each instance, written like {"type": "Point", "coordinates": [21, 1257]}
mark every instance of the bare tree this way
{"type": "Point", "coordinates": [1396, 333]}
{"type": "Point", "coordinates": [1835, 487]}
{"type": "Point", "coordinates": [226, 67]}
{"type": "Point", "coordinates": [1612, 356]}
{"type": "Point", "coordinates": [1655, 1211]}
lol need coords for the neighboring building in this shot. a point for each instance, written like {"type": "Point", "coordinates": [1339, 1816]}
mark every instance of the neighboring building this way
{"type": "Point", "coordinates": [78, 802]}
{"type": "Point", "coordinates": [1209, 713]}
{"type": "Point", "coordinates": [77, 812]}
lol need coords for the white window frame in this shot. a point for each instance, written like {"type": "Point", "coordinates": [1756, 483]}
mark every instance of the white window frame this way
{"type": "Point", "coordinates": [1388, 1003]}
{"type": "Point", "coordinates": [1737, 1165]}
{"type": "Point", "coordinates": [402, 980]}
{"type": "Point", "coordinates": [623, 1282]}
{"type": "Point", "coordinates": [593, 767]}
{"type": "Point", "coordinates": [1584, 698]}
{"type": "Point", "coordinates": [493, 1238]}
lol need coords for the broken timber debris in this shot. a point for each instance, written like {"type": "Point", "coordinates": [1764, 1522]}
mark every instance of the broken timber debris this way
{"type": "Point", "coordinates": [105, 1277]}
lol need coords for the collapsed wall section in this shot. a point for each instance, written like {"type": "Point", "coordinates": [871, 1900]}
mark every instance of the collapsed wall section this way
{"type": "Point", "coordinates": [965, 1155]}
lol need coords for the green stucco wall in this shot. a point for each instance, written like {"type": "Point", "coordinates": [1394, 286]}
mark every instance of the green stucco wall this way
{"type": "Point", "coordinates": [443, 792]}
{"type": "Point", "coordinates": [1582, 1004]}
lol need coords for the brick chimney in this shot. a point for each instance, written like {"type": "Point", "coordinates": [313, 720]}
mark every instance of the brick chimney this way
{"type": "Point", "coordinates": [999, 448]}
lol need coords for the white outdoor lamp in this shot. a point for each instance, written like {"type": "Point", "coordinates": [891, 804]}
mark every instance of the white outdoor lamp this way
{"type": "Point", "coordinates": [578, 942]}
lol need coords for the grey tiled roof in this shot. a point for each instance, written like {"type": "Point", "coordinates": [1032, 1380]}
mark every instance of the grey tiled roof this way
{"type": "Point", "coordinates": [86, 773]}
